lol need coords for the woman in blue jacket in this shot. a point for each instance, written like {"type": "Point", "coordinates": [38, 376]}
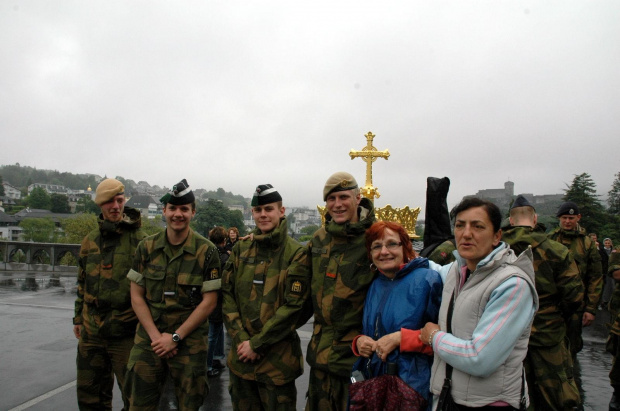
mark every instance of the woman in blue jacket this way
{"type": "Point", "coordinates": [405, 295]}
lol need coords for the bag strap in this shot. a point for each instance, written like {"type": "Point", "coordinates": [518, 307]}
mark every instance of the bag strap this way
{"type": "Point", "coordinates": [449, 330]}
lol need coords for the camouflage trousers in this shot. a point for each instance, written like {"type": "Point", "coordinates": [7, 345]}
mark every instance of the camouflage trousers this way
{"type": "Point", "coordinates": [549, 375]}
{"type": "Point", "coordinates": [248, 395]}
{"type": "Point", "coordinates": [327, 391]}
{"type": "Point", "coordinates": [613, 347]}
{"type": "Point", "coordinates": [98, 361]}
{"type": "Point", "coordinates": [573, 332]}
{"type": "Point", "coordinates": [147, 372]}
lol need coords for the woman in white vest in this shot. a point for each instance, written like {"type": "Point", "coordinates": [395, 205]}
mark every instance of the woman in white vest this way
{"type": "Point", "coordinates": [490, 297]}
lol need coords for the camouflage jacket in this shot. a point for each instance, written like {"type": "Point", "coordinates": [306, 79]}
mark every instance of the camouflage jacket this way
{"type": "Point", "coordinates": [614, 304]}
{"type": "Point", "coordinates": [175, 280]}
{"type": "Point", "coordinates": [337, 259]}
{"type": "Point", "coordinates": [588, 261]}
{"type": "Point", "coordinates": [442, 255]}
{"type": "Point", "coordinates": [103, 303]}
{"type": "Point", "coordinates": [262, 304]}
{"type": "Point", "coordinates": [559, 287]}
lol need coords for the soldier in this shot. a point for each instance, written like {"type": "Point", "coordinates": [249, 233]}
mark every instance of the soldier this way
{"type": "Point", "coordinates": [175, 278]}
{"type": "Point", "coordinates": [588, 260]}
{"type": "Point", "coordinates": [442, 254]}
{"type": "Point", "coordinates": [613, 342]}
{"type": "Point", "coordinates": [104, 321]}
{"type": "Point", "coordinates": [336, 258]}
{"type": "Point", "coordinates": [548, 364]}
{"type": "Point", "coordinates": [262, 305]}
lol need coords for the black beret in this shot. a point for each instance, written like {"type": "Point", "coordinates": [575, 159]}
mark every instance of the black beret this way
{"type": "Point", "coordinates": [568, 208]}
{"type": "Point", "coordinates": [521, 201]}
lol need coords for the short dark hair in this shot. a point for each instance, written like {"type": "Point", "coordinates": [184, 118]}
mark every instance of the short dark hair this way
{"type": "Point", "coordinates": [495, 215]}
{"type": "Point", "coordinates": [217, 235]}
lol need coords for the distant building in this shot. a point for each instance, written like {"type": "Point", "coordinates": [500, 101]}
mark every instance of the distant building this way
{"type": "Point", "coordinates": [545, 204]}
{"type": "Point", "coordinates": [49, 188]}
{"type": "Point", "coordinates": [302, 217]}
{"type": "Point", "coordinates": [11, 192]}
{"type": "Point", "coordinates": [9, 229]}
{"type": "Point", "coordinates": [147, 206]}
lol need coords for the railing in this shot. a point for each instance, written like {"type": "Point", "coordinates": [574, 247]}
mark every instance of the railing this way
{"type": "Point", "coordinates": [45, 258]}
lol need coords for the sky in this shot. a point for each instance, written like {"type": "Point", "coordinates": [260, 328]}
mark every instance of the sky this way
{"type": "Point", "coordinates": [233, 94]}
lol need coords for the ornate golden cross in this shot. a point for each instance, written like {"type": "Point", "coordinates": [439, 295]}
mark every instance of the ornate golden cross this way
{"type": "Point", "coordinates": [369, 154]}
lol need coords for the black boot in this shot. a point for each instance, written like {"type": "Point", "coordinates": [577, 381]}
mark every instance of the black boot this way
{"type": "Point", "coordinates": [614, 404]}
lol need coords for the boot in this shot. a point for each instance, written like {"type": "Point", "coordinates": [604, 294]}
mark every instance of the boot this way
{"type": "Point", "coordinates": [614, 404]}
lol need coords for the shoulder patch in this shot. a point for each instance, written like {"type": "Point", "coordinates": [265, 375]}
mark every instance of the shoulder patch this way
{"type": "Point", "coordinates": [215, 274]}
{"type": "Point", "coordinates": [297, 288]}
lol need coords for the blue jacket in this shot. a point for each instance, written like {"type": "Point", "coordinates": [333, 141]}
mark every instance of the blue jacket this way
{"type": "Point", "coordinates": [410, 300]}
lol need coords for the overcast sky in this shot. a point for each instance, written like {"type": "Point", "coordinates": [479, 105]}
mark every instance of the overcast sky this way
{"type": "Point", "coordinates": [233, 94]}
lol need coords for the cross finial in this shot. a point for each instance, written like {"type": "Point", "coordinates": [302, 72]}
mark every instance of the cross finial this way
{"type": "Point", "coordinates": [369, 154]}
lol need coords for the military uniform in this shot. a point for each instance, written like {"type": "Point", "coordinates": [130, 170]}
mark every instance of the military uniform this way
{"type": "Point", "coordinates": [548, 364]}
{"type": "Point", "coordinates": [336, 257]}
{"type": "Point", "coordinates": [442, 254]}
{"type": "Point", "coordinates": [262, 305]}
{"type": "Point", "coordinates": [613, 342]}
{"type": "Point", "coordinates": [588, 260]}
{"type": "Point", "coordinates": [103, 308]}
{"type": "Point", "coordinates": [174, 279]}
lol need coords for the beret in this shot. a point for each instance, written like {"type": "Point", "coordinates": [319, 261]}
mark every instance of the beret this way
{"type": "Point", "coordinates": [265, 194]}
{"type": "Point", "coordinates": [340, 181]}
{"type": "Point", "coordinates": [567, 208]}
{"type": "Point", "coordinates": [521, 201]}
{"type": "Point", "coordinates": [107, 189]}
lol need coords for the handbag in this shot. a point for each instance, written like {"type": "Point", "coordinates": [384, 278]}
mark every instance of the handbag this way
{"type": "Point", "coordinates": [385, 392]}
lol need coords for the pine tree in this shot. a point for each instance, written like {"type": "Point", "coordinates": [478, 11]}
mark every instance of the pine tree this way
{"type": "Point", "coordinates": [583, 192]}
{"type": "Point", "coordinates": [614, 196]}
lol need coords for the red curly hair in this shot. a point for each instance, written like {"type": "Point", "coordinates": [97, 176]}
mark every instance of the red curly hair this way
{"type": "Point", "coordinates": [377, 230]}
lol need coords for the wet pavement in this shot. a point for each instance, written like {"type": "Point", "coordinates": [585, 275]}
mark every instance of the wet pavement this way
{"type": "Point", "coordinates": [37, 359]}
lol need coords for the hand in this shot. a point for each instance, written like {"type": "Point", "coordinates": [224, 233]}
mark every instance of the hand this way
{"type": "Point", "coordinates": [426, 332]}
{"type": "Point", "coordinates": [77, 330]}
{"type": "Point", "coordinates": [365, 346]}
{"type": "Point", "coordinates": [246, 353]}
{"type": "Point", "coordinates": [386, 344]}
{"type": "Point", "coordinates": [587, 319]}
{"type": "Point", "coordinates": [164, 347]}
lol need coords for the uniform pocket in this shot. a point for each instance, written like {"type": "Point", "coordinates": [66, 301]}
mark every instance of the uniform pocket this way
{"type": "Point", "coordinates": [154, 283]}
{"type": "Point", "coordinates": [189, 290]}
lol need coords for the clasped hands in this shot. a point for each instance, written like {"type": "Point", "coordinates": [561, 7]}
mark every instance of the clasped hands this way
{"type": "Point", "coordinates": [382, 347]}
{"type": "Point", "coordinates": [164, 347]}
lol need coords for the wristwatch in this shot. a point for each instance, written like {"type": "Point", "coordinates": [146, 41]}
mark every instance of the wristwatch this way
{"type": "Point", "coordinates": [176, 338]}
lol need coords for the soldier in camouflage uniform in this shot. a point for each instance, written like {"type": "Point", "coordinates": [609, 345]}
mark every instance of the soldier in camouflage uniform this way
{"type": "Point", "coordinates": [262, 306]}
{"type": "Point", "coordinates": [336, 258]}
{"type": "Point", "coordinates": [175, 278]}
{"type": "Point", "coordinates": [588, 260]}
{"type": "Point", "coordinates": [613, 342]}
{"type": "Point", "coordinates": [104, 321]}
{"type": "Point", "coordinates": [548, 364]}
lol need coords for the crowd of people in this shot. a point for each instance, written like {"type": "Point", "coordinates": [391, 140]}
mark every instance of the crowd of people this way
{"type": "Point", "coordinates": [491, 320]}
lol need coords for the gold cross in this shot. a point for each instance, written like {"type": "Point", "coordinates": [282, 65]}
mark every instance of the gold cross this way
{"type": "Point", "coordinates": [369, 154]}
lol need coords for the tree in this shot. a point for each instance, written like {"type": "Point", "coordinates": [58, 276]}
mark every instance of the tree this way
{"type": "Point", "coordinates": [39, 199]}
{"type": "Point", "coordinates": [76, 228]}
{"type": "Point", "coordinates": [614, 196]}
{"type": "Point", "coordinates": [1, 187]}
{"type": "Point", "coordinates": [309, 229]}
{"type": "Point", "coordinates": [213, 213]}
{"type": "Point", "coordinates": [60, 203]}
{"type": "Point", "coordinates": [39, 230]}
{"type": "Point", "coordinates": [152, 225]}
{"type": "Point", "coordinates": [582, 191]}
{"type": "Point", "coordinates": [86, 205]}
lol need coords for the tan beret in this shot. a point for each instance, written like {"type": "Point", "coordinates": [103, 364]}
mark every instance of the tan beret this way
{"type": "Point", "coordinates": [340, 181]}
{"type": "Point", "coordinates": [107, 189]}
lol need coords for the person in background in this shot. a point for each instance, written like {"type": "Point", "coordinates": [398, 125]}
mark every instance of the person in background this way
{"type": "Point", "coordinates": [613, 341]}
{"type": "Point", "coordinates": [548, 364]}
{"type": "Point", "coordinates": [233, 237]}
{"type": "Point", "coordinates": [405, 295]}
{"type": "Point", "coordinates": [588, 260]}
{"type": "Point", "coordinates": [488, 304]}
{"type": "Point", "coordinates": [217, 235]}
